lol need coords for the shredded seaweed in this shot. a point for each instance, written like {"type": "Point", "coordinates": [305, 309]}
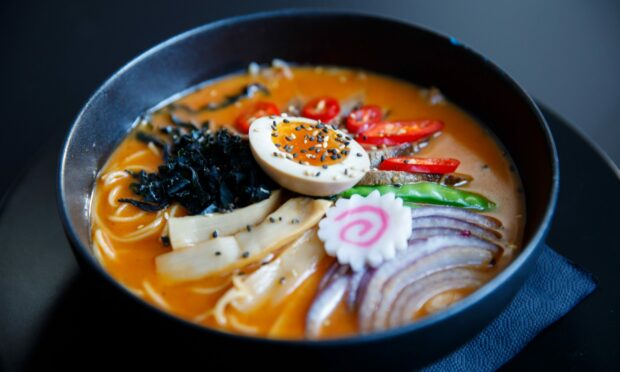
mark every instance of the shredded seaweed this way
{"type": "Point", "coordinates": [147, 138]}
{"type": "Point", "coordinates": [180, 123]}
{"type": "Point", "coordinates": [165, 240]}
{"type": "Point", "coordinates": [247, 91]}
{"type": "Point", "coordinates": [203, 171]}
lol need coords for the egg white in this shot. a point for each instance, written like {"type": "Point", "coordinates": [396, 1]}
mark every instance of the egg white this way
{"type": "Point", "coordinates": [305, 179]}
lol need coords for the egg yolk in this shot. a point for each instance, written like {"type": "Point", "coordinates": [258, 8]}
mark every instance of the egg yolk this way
{"type": "Point", "coordinates": [310, 144]}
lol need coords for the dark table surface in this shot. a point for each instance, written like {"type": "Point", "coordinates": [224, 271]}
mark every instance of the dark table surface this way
{"type": "Point", "coordinates": [566, 53]}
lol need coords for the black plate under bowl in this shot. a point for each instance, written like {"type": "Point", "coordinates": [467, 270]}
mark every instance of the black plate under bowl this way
{"type": "Point", "coordinates": [327, 38]}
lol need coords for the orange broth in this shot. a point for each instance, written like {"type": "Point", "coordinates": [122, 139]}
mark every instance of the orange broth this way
{"type": "Point", "coordinates": [130, 257]}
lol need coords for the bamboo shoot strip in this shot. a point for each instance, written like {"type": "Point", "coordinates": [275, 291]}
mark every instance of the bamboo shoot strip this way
{"type": "Point", "coordinates": [226, 253]}
{"type": "Point", "coordinates": [191, 230]}
{"type": "Point", "coordinates": [281, 277]}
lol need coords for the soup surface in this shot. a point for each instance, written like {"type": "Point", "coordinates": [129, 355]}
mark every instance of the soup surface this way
{"type": "Point", "coordinates": [127, 239]}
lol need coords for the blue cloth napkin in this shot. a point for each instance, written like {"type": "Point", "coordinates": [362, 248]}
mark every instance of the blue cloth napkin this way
{"type": "Point", "coordinates": [553, 289]}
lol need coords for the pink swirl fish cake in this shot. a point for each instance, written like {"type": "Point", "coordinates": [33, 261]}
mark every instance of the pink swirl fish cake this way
{"type": "Point", "coordinates": [367, 230]}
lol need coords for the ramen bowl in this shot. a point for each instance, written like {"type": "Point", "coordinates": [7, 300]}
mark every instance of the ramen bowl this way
{"type": "Point", "coordinates": [401, 50]}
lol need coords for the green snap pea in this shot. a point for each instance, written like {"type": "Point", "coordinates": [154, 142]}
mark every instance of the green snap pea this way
{"type": "Point", "coordinates": [428, 193]}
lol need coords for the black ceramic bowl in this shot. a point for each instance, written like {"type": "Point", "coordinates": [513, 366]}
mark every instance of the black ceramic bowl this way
{"type": "Point", "coordinates": [329, 38]}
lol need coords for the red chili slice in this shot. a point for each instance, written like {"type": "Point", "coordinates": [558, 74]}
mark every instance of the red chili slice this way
{"type": "Point", "coordinates": [414, 164]}
{"type": "Point", "coordinates": [260, 109]}
{"type": "Point", "coordinates": [321, 108]}
{"type": "Point", "coordinates": [362, 118]}
{"type": "Point", "coordinates": [398, 132]}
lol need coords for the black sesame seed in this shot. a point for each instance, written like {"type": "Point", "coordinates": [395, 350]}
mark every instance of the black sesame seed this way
{"type": "Point", "coordinates": [286, 121]}
{"type": "Point", "coordinates": [278, 145]}
{"type": "Point", "coordinates": [217, 253]}
{"type": "Point", "coordinates": [245, 254]}
{"type": "Point", "coordinates": [346, 171]}
{"type": "Point", "coordinates": [274, 134]}
{"type": "Point", "coordinates": [248, 227]}
{"type": "Point", "coordinates": [215, 234]}
{"type": "Point", "coordinates": [280, 218]}
{"type": "Point", "coordinates": [398, 185]}
{"type": "Point", "coordinates": [317, 174]}
{"type": "Point", "coordinates": [324, 166]}
{"type": "Point", "coordinates": [272, 220]}
{"type": "Point", "coordinates": [295, 220]}
{"type": "Point", "coordinates": [359, 154]}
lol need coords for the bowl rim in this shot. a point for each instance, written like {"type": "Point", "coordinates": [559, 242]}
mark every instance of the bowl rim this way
{"type": "Point", "coordinates": [81, 250]}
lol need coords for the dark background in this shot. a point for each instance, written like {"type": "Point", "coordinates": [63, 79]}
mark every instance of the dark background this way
{"type": "Point", "coordinates": [566, 53]}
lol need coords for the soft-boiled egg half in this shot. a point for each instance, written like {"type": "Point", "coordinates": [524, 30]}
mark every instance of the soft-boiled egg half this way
{"type": "Point", "coordinates": [307, 156]}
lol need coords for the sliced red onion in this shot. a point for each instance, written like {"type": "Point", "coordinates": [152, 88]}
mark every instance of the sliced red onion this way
{"type": "Point", "coordinates": [373, 290]}
{"type": "Point", "coordinates": [363, 286]}
{"type": "Point", "coordinates": [443, 259]}
{"type": "Point", "coordinates": [447, 248]}
{"type": "Point", "coordinates": [457, 213]}
{"type": "Point", "coordinates": [440, 221]}
{"type": "Point", "coordinates": [324, 304]}
{"type": "Point", "coordinates": [427, 232]}
{"type": "Point", "coordinates": [354, 288]}
{"type": "Point", "coordinates": [335, 271]}
{"type": "Point", "coordinates": [413, 297]}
